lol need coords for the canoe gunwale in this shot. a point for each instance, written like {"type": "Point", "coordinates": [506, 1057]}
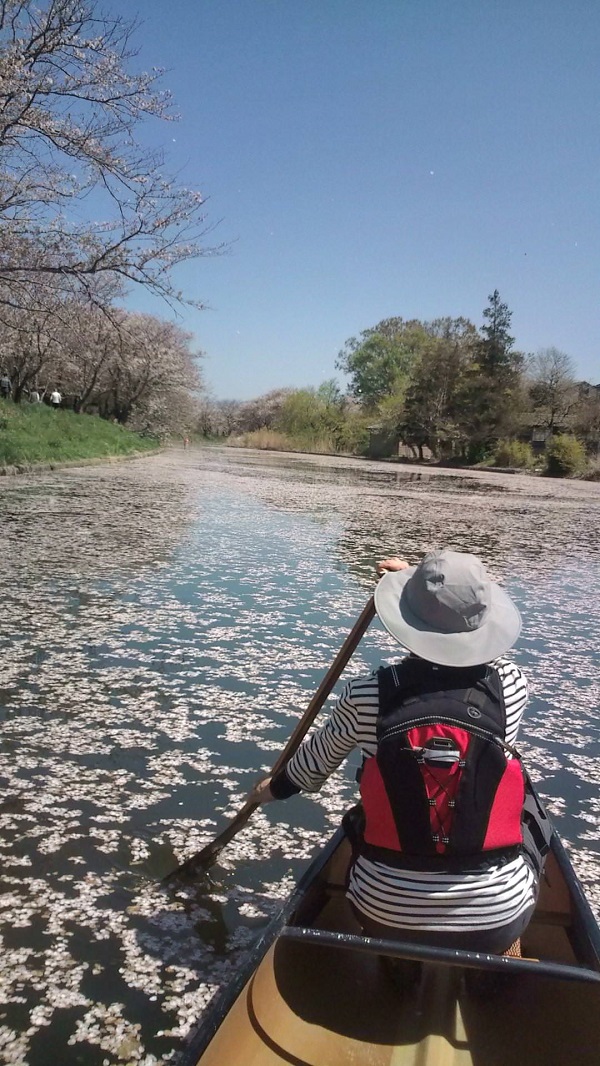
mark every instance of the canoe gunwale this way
{"type": "Point", "coordinates": [585, 930]}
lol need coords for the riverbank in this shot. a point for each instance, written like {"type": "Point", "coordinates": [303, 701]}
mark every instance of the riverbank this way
{"type": "Point", "coordinates": [276, 443]}
{"type": "Point", "coordinates": [394, 460]}
{"type": "Point", "coordinates": [35, 436]}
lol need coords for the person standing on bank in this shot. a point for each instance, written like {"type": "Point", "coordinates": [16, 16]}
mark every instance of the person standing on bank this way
{"type": "Point", "coordinates": [5, 386]}
{"type": "Point", "coordinates": [443, 854]}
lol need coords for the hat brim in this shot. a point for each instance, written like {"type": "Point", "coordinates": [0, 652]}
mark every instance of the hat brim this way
{"type": "Point", "coordinates": [497, 634]}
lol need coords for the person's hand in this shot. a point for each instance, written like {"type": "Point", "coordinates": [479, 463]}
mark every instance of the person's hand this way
{"type": "Point", "coordinates": [394, 563]}
{"type": "Point", "coordinates": [261, 793]}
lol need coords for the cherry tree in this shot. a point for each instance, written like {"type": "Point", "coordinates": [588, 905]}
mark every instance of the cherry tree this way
{"type": "Point", "coordinates": [153, 362]}
{"type": "Point", "coordinates": [31, 339]}
{"type": "Point", "coordinates": [134, 368]}
{"type": "Point", "coordinates": [261, 412]}
{"type": "Point", "coordinates": [79, 196]}
{"type": "Point", "coordinates": [90, 341]}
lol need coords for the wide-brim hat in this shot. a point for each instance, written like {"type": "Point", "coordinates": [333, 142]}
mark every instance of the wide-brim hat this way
{"type": "Point", "coordinates": [447, 610]}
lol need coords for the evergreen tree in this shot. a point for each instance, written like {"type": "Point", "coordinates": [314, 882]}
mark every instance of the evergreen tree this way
{"type": "Point", "coordinates": [497, 347]}
{"type": "Point", "coordinates": [492, 395]}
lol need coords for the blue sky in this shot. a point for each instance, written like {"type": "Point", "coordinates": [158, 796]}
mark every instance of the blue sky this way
{"type": "Point", "coordinates": [391, 157]}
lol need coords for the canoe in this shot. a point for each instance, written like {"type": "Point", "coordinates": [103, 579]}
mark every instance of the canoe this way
{"type": "Point", "coordinates": [315, 992]}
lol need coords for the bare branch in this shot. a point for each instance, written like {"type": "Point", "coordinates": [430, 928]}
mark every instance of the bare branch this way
{"type": "Point", "coordinates": [70, 105]}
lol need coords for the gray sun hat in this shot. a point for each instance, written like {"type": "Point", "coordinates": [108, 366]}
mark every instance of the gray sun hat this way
{"type": "Point", "coordinates": [447, 610]}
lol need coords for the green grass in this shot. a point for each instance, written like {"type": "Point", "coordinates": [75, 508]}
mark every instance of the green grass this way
{"type": "Point", "coordinates": [34, 433]}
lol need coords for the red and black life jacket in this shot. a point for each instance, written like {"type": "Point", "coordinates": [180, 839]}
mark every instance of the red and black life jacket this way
{"type": "Point", "coordinates": [441, 790]}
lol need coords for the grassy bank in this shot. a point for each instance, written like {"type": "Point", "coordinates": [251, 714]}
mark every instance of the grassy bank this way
{"type": "Point", "coordinates": [34, 433]}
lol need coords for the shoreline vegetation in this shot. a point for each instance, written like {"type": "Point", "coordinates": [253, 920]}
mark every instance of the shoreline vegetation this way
{"type": "Point", "coordinates": [500, 462]}
{"type": "Point", "coordinates": [35, 435]}
{"type": "Point", "coordinates": [443, 392]}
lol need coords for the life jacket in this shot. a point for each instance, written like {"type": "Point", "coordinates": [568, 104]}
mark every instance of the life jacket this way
{"type": "Point", "coordinates": [441, 791]}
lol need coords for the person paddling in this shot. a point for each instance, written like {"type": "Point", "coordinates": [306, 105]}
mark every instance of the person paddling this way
{"type": "Point", "coordinates": [446, 849]}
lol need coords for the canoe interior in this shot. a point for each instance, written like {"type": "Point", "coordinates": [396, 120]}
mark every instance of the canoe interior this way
{"type": "Point", "coordinates": [309, 1004]}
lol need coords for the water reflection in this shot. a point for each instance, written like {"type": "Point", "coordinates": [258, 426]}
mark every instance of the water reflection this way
{"type": "Point", "coordinates": [164, 623]}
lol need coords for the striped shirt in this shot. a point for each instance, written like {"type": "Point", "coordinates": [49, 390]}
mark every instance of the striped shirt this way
{"type": "Point", "coordinates": [416, 899]}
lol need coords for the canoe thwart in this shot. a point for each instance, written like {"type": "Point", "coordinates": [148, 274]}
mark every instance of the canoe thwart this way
{"type": "Point", "coordinates": [398, 949]}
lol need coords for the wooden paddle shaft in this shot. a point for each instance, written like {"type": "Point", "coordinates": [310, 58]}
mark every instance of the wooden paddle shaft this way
{"type": "Point", "coordinates": [210, 852]}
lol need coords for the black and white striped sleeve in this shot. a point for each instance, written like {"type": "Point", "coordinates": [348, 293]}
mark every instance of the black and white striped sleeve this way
{"type": "Point", "coordinates": [516, 694]}
{"type": "Point", "coordinates": [323, 750]}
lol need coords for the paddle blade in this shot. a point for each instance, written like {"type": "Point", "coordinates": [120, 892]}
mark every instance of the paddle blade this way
{"type": "Point", "coordinates": [211, 851]}
{"type": "Point", "coordinates": [197, 864]}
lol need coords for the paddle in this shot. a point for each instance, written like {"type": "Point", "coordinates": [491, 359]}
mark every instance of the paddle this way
{"type": "Point", "coordinates": [209, 853]}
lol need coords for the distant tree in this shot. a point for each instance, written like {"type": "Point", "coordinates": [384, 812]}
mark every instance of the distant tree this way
{"type": "Point", "coordinates": [585, 419]}
{"type": "Point", "coordinates": [391, 411]}
{"type": "Point", "coordinates": [492, 396]}
{"type": "Point", "coordinates": [496, 348]}
{"type": "Point", "coordinates": [378, 362]}
{"type": "Point", "coordinates": [226, 415]}
{"type": "Point", "coordinates": [206, 423]}
{"type": "Point", "coordinates": [154, 361]}
{"type": "Point", "coordinates": [91, 340]}
{"type": "Point", "coordinates": [261, 412]}
{"type": "Point", "coordinates": [30, 347]}
{"type": "Point", "coordinates": [308, 415]}
{"type": "Point", "coordinates": [553, 391]}
{"type": "Point", "coordinates": [330, 393]}
{"type": "Point", "coordinates": [431, 415]}
{"type": "Point", "coordinates": [323, 419]}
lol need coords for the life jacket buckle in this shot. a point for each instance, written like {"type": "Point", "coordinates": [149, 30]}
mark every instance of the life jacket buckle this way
{"type": "Point", "coordinates": [440, 751]}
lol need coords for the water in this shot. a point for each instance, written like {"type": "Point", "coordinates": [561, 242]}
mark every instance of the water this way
{"type": "Point", "coordinates": [164, 623]}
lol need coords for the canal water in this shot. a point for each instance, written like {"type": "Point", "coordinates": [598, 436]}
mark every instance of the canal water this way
{"type": "Point", "coordinates": [164, 622]}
